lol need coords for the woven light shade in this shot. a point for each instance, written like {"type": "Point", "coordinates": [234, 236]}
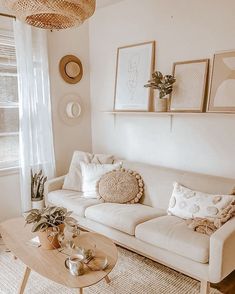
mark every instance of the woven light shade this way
{"type": "Point", "coordinates": [52, 14]}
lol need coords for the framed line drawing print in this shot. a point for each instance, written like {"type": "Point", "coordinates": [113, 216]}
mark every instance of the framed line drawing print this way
{"type": "Point", "coordinates": [135, 64]}
{"type": "Point", "coordinates": [222, 89]}
{"type": "Point", "coordinates": [188, 93]}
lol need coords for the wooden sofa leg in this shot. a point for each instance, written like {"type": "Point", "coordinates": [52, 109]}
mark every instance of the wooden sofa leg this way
{"type": "Point", "coordinates": [205, 287]}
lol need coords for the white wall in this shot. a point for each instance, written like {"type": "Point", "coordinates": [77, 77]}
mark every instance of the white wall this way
{"type": "Point", "coordinates": [69, 138]}
{"type": "Point", "coordinates": [103, 3]}
{"type": "Point", "coordinates": [183, 30]}
{"type": "Point", "coordinates": [10, 204]}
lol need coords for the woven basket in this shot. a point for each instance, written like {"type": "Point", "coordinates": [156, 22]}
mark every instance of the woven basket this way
{"type": "Point", "coordinates": [52, 14]}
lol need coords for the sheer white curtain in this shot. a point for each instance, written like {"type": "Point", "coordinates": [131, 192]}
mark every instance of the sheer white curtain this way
{"type": "Point", "coordinates": [36, 137]}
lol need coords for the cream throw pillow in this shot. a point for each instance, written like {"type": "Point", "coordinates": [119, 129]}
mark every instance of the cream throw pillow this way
{"type": "Point", "coordinates": [91, 174]}
{"type": "Point", "coordinates": [73, 180]}
{"type": "Point", "coordinates": [188, 204]}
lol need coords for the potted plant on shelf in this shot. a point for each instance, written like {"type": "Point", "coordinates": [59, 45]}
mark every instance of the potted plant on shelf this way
{"type": "Point", "coordinates": [49, 224]}
{"type": "Point", "coordinates": [164, 85]}
{"type": "Point", "coordinates": [37, 189]}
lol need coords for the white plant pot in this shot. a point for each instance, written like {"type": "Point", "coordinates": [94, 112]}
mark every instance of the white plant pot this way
{"type": "Point", "coordinates": [38, 204]}
{"type": "Point", "coordinates": [160, 105]}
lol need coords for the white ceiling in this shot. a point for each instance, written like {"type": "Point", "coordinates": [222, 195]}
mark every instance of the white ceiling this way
{"type": "Point", "coordinates": [103, 3]}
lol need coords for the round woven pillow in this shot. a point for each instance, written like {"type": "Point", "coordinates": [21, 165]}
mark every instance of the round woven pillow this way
{"type": "Point", "coordinates": [121, 186]}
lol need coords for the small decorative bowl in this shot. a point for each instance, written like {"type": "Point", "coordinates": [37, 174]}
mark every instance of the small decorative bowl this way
{"type": "Point", "coordinates": [98, 263]}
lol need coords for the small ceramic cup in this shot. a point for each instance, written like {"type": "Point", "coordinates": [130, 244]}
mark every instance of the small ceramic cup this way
{"type": "Point", "coordinates": [75, 265]}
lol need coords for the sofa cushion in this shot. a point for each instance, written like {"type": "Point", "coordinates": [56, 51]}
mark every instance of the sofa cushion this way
{"type": "Point", "coordinates": [123, 217]}
{"type": "Point", "coordinates": [72, 201]}
{"type": "Point", "coordinates": [171, 233]}
{"type": "Point", "coordinates": [158, 182]}
{"type": "Point", "coordinates": [91, 174]}
{"type": "Point", "coordinates": [73, 180]}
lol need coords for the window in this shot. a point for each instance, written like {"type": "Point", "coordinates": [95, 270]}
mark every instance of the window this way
{"type": "Point", "coordinates": [9, 107]}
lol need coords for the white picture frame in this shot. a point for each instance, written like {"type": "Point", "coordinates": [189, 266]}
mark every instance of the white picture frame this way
{"type": "Point", "coordinates": [135, 64]}
{"type": "Point", "coordinates": [189, 91]}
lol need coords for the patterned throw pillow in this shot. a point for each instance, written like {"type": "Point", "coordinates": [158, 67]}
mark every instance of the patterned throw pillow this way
{"type": "Point", "coordinates": [187, 204]}
{"type": "Point", "coordinates": [121, 186]}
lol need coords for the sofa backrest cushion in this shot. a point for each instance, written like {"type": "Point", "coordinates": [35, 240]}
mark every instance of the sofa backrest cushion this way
{"type": "Point", "coordinates": [91, 174]}
{"type": "Point", "coordinates": [73, 180]}
{"type": "Point", "coordinates": [159, 183]}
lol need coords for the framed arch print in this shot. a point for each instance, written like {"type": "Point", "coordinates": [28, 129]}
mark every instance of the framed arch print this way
{"type": "Point", "coordinates": [222, 97]}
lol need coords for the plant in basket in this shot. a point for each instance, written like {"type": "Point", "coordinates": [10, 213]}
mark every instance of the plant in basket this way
{"type": "Point", "coordinates": [49, 223]}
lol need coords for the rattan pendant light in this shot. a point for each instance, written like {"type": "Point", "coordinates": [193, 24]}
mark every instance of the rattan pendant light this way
{"type": "Point", "coordinates": [52, 14]}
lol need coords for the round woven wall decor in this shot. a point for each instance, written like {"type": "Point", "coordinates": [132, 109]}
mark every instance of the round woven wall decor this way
{"type": "Point", "coordinates": [121, 186]}
{"type": "Point", "coordinates": [52, 14]}
{"type": "Point", "coordinates": [71, 69]}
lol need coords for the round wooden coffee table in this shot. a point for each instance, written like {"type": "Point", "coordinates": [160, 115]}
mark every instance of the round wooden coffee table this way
{"type": "Point", "coordinates": [50, 263]}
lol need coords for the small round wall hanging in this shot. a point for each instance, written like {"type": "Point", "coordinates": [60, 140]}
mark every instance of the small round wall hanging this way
{"type": "Point", "coordinates": [70, 109]}
{"type": "Point", "coordinates": [71, 69]}
{"type": "Point", "coordinates": [73, 109]}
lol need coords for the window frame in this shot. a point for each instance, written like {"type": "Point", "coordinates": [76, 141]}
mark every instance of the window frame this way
{"type": "Point", "coordinates": [9, 166]}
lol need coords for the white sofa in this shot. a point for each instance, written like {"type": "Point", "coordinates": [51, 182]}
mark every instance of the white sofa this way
{"type": "Point", "coordinates": [147, 229]}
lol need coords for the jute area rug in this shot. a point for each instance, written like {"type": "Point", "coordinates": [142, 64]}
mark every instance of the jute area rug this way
{"type": "Point", "coordinates": [133, 274]}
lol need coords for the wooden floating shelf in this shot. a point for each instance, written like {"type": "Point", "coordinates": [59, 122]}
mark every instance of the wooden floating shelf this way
{"type": "Point", "coordinates": [153, 113]}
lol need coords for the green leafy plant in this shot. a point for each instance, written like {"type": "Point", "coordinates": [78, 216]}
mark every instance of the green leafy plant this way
{"type": "Point", "coordinates": [38, 181]}
{"type": "Point", "coordinates": [50, 216]}
{"type": "Point", "coordinates": [164, 84]}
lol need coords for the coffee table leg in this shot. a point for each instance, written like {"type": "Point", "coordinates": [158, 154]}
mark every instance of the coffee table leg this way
{"type": "Point", "coordinates": [107, 279]}
{"type": "Point", "coordinates": [25, 280]}
{"type": "Point", "coordinates": [80, 291]}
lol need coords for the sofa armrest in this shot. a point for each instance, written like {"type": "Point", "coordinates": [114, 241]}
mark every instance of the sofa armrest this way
{"type": "Point", "coordinates": [52, 185]}
{"type": "Point", "coordinates": [222, 252]}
